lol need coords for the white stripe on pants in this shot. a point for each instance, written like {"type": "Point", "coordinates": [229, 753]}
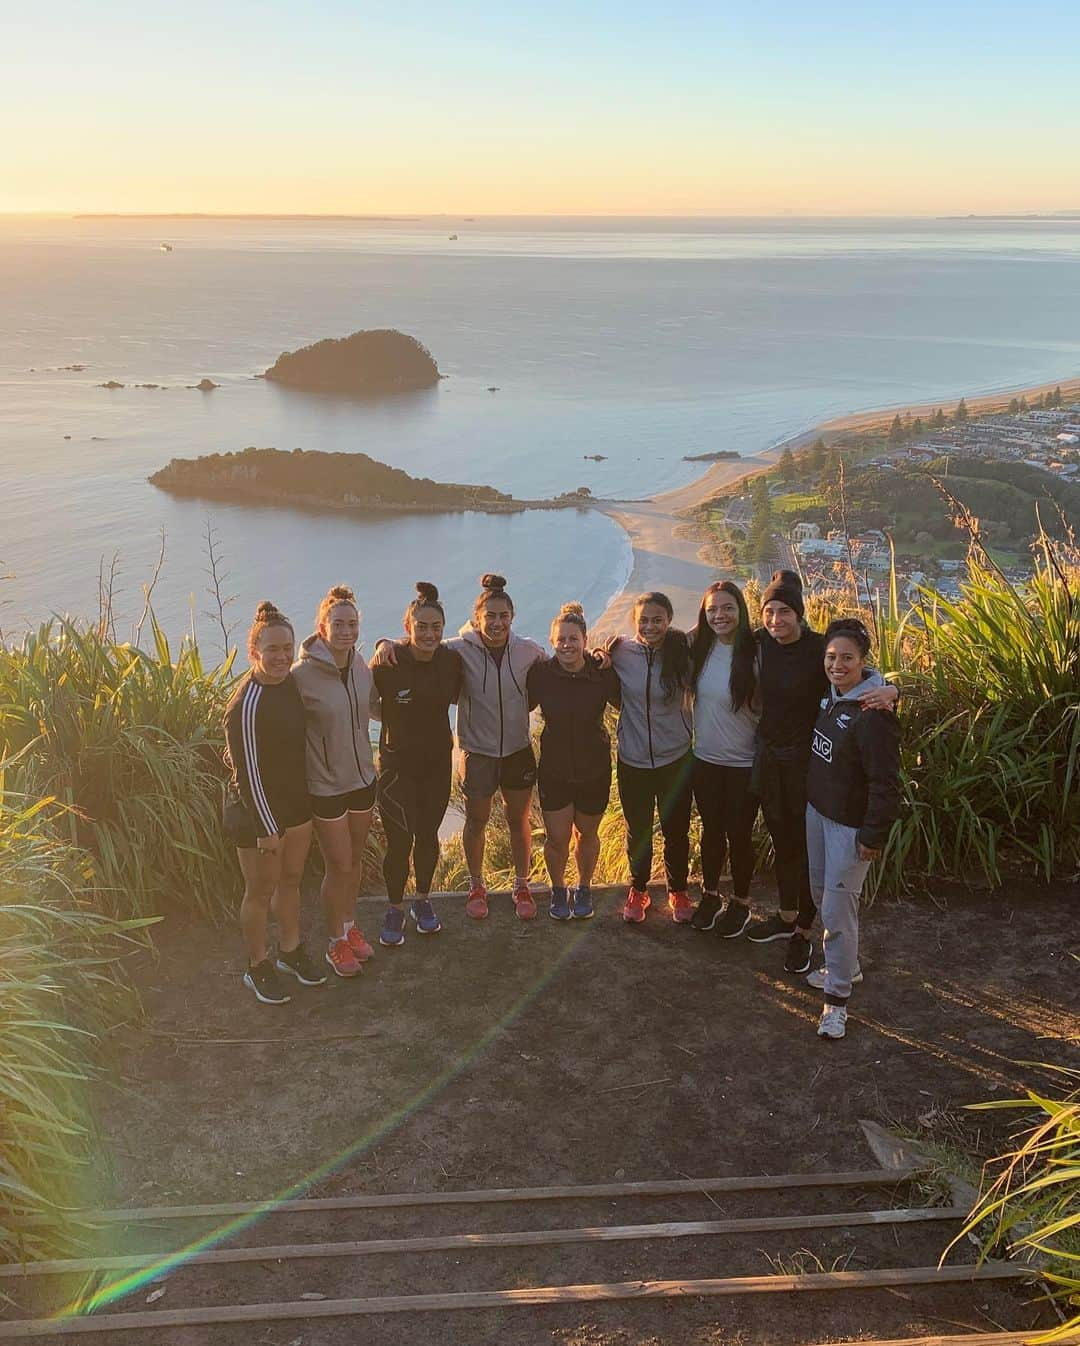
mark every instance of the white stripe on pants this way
{"type": "Point", "coordinates": [836, 880]}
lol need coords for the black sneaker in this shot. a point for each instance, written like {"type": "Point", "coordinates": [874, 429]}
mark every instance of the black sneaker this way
{"type": "Point", "coordinates": [708, 911]}
{"type": "Point", "coordinates": [733, 922]}
{"type": "Point", "coordinates": [297, 964]}
{"type": "Point", "coordinates": [264, 981]}
{"type": "Point", "coordinates": [800, 951]}
{"type": "Point", "coordinates": [765, 929]}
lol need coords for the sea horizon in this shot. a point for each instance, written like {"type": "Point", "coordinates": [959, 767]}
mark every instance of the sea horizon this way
{"type": "Point", "coordinates": [643, 345]}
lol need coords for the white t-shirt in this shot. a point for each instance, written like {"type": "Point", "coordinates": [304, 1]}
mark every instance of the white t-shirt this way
{"type": "Point", "coordinates": [722, 735]}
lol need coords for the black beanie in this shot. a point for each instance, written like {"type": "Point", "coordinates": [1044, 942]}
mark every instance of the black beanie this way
{"type": "Point", "coordinates": [785, 587]}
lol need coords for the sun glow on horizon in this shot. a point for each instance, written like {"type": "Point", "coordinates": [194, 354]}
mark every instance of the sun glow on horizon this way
{"type": "Point", "coordinates": [556, 111]}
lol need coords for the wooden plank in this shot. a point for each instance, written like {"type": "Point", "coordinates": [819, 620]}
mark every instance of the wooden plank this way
{"type": "Point", "coordinates": [501, 1299]}
{"type": "Point", "coordinates": [873, 1177]}
{"type": "Point", "coordinates": [514, 1239]}
{"type": "Point", "coordinates": [968, 1339]}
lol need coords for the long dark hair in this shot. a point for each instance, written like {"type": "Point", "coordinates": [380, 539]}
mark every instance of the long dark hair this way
{"type": "Point", "coordinates": [674, 652]}
{"type": "Point", "coordinates": [743, 652]}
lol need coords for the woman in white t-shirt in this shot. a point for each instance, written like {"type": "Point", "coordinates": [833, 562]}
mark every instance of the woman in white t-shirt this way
{"type": "Point", "coordinates": [723, 687]}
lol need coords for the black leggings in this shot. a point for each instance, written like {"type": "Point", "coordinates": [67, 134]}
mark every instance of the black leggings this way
{"type": "Point", "coordinates": [727, 809]}
{"type": "Point", "coordinates": [782, 784]}
{"type": "Point", "coordinates": [664, 789]}
{"type": "Point", "coordinates": [412, 806]}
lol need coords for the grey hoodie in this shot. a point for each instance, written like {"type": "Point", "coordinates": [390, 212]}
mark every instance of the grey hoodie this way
{"type": "Point", "coordinates": [339, 758]}
{"type": "Point", "coordinates": [493, 709]}
{"type": "Point", "coordinates": [653, 731]}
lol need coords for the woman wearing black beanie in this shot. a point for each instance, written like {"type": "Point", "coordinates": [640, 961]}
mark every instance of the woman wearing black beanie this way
{"type": "Point", "coordinates": [792, 682]}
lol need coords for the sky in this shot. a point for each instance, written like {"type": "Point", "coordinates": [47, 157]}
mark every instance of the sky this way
{"type": "Point", "coordinates": [607, 108]}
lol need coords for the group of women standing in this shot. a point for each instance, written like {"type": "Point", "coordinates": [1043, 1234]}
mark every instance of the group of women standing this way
{"type": "Point", "coordinates": [724, 716]}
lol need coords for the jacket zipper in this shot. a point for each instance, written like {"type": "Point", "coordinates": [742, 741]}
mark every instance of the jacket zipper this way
{"type": "Point", "coordinates": [498, 675]}
{"type": "Point", "coordinates": [648, 701]}
{"type": "Point", "coordinates": [354, 717]}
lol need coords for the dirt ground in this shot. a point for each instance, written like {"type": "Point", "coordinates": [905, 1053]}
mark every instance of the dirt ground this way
{"type": "Point", "coordinates": [504, 1054]}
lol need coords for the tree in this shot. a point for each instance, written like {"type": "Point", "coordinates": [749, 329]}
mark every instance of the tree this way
{"type": "Point", "coordinates": [761, 543]}
{"type": "Point", "coordinates": [938, 419]}
{"type": "Point", "coordinates": [1023, 404]}
{"type": "Point", "coordinates": [961, 411]}
{"type": "Point", "coordinates": [817, 456]}
{"type": "Point", "coordinates": [918, 427]}
{"type": "Point", "coordinates": [788, 469]}
{"type": "Point", "coordinates": [1057, 396]}
{"type": "Point", "coordinates": [896, 430]}
{"type": "Point", "coordinates": [1014, 407]}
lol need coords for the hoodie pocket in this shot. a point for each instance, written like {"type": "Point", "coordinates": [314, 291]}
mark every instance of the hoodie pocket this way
{"type": "Point", "coordinates": [326, 755]}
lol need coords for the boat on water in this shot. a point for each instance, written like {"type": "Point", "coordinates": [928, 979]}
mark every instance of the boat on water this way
{"type": "Point", "coordinates": [453, 238]}
{"type": "Point", "coordinates": [165, 247]}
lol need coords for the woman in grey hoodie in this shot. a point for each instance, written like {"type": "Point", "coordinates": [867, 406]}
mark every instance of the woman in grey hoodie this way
{"type": "Point", "coordinates": [339, 696]}
{"type": "Point", "coordinates": [654, 758]}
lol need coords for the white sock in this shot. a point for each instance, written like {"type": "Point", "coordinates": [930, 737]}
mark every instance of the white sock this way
{"type": "Point", "coordinates": [476, 881]}
{"type": "Point", "coordinates": [520, 881]}
{"type": "Point", "coordinates": [348, 926]}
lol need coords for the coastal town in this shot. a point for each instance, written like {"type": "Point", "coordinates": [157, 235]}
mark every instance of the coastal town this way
{"type": "Point", "coordinates": [842, 513]}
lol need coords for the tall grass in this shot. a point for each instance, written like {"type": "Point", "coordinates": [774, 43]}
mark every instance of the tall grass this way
{"type": "Point", "coordinates": [131, 743]}
{"type": "Point", "coordinates": [1031, 1202]}
{"type": "Point", "coordinates": [61, 992]}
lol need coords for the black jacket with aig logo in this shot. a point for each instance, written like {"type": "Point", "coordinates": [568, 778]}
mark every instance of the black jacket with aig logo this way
{"type": "Point", "coordinates": [854, 773]}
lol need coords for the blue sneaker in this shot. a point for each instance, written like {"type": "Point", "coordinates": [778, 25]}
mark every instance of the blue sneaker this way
{"type": "Point", "coordinates": [582, 907]}
{"type": "Point", "coordinates": [393, 929]}
{"type": "Point", "coordinates": [560, 905]}
{"type": "Point", "coordinates": [423, 913]}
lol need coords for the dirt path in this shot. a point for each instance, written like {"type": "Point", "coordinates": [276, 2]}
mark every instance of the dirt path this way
{"type": "Point", "coordinates": [503, 1054]}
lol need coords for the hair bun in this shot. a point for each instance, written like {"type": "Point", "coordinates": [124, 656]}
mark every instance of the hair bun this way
{"type": "Point", "coordinates": [492, 581]}
{"type": "Point", "coordinates": [426, 591]}
{"type": "Point", "coordinates": [571, 609]}
{"type": "Point", "coordinates": [341, 593]}
{"type": "Point", "coordinates": [266, 610]}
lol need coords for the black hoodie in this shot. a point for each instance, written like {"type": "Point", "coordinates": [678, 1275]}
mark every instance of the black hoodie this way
{"type": "Point", "coordinates": [854, 773]}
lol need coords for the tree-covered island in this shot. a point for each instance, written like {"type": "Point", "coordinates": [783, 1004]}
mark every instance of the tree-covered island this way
{"type": "Point", "coordinates": [365, 364]}
{"type": "Point", "coordinates": [350, 481]}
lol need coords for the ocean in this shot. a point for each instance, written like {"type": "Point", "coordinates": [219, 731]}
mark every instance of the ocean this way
{"type": "Point", "coordinates": [641, 340]}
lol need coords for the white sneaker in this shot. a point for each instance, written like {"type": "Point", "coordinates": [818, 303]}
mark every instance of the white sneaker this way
{"type": "Point", "coordinates": [817, 979]}
{"type": "Point", "coordinates": [833, 1023]}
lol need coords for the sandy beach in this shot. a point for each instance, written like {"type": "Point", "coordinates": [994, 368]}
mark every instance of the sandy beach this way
{"type": "Point", "coordinates": [664, 559]}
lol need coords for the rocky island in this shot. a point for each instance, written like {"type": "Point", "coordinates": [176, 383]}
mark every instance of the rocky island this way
{"type": "Point", "coordinates": [365, 364]}
{"type": "Point", "coordinates": [340, 481]}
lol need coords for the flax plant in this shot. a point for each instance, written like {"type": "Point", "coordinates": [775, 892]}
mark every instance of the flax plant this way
{"type": "Point", "coordinates": [1031, 1203]}
{"type": "Point", "coordinates": [131, 742]}
{"type": "Point", "coordinates": [62, 991]}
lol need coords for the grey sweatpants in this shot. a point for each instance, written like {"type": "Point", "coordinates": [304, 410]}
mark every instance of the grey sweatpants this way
{"type": "Point", "coordinates": [836, 880]}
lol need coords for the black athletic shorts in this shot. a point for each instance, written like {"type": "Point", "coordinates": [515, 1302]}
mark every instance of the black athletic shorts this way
{"type": "Point", "coordinates": [481, 776]}
{"type": "Point", "coordinates": [587, 796]}
{"type": "Point", "coordinates": [239, 822]}
{"type": "Point", "coordinates": [331, 807]}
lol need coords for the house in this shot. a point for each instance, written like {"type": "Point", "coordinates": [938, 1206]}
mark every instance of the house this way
{"type": "Point", "coordinates": [804, 532]}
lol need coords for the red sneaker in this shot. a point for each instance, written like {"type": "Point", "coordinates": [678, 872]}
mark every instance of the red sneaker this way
{"type": "Point", "coordinates": [476, 905]}
{"type": "Point", "coordinates": [342, 959]}
{"type": "Point", "coordinates": [681, 908]}
{"type": "Point", "coordinates": [362, 950]}
{"type": "Point", "coordinates": [637, 904]}
{"type": "Point", "coordinates": [524, 904]}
